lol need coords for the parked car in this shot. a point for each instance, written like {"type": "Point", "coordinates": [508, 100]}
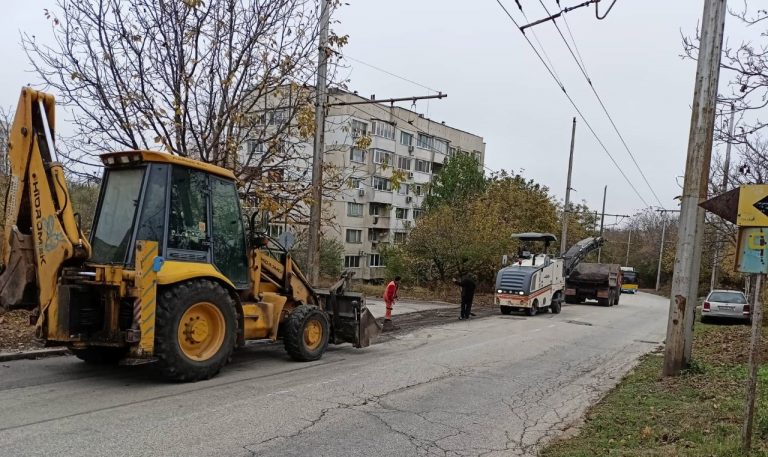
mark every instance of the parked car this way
{"type": "Point", "coordinates": [725, 304]}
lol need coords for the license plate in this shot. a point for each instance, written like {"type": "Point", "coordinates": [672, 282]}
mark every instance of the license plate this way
{"type": "Point", "coordinates": [726, 308]}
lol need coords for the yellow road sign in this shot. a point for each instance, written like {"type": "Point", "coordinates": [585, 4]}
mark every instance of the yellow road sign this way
{"type": "Point", "coordinates": [753, 206]}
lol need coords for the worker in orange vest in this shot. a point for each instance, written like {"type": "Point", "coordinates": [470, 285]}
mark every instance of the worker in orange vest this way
{"type": "Point", "coordinates": [390, 295]}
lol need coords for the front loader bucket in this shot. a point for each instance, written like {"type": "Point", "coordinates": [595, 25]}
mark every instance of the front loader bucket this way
{"type": "Point", "coordinates": [368, 328]}
{"type": "Point", "coordinates": [351, 321]}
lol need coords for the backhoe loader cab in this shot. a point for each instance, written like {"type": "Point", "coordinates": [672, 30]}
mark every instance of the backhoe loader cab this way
{"type": "Point", "coordinates": [168, 274]}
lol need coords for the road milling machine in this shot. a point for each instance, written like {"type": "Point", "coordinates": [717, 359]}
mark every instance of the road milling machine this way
{"type": "Point", "coordinates": [535, 282]}
{"type": "Point", "coordinates": [169, 274]}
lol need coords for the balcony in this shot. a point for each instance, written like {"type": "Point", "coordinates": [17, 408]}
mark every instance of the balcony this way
{"type": "Point", "coordinates": [381, 196]}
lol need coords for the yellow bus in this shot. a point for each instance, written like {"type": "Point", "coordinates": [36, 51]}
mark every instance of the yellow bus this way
{"type": "Point", "coordinates": [628, 280]}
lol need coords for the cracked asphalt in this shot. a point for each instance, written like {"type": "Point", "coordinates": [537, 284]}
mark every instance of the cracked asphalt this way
{"type": "Point", "coordinates": [496, 386]}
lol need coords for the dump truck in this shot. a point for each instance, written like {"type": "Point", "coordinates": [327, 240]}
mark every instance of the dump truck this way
{"type": "Point", "coordinates": [169, 274]}
{"type": "Point", "coordinates": [594, 281]}
{"type": "Point", "coordinates": [536, 281]}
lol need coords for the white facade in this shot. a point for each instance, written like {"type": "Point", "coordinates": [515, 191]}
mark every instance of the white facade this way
{"type": "Point", "coordinates": [370, 213]}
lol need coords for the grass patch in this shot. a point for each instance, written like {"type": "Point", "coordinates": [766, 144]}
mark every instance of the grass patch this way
{"type": "Point", "coordinates": [698, 414]}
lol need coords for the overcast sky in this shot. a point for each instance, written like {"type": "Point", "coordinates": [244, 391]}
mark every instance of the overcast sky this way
{"type": "Point", "coordinates": [498, 89]}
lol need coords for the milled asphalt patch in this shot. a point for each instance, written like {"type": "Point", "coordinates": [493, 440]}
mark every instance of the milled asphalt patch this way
{"type": "Point", "coordinates": [32, 354]}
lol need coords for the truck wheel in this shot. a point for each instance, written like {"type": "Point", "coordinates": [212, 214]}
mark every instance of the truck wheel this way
{"type": "Point", "coordinates": [533, 309]}
{"type": "Point", "coordinates": [618, 297]}
{"type": "Point", "coordinates": [306, 333]}
{"type": "Point", "coordinates": [100, 355]}
{"type": "Point", "coordinates": [196, 330]}
{"type": "Point", "coordinates": [505, 310]}
{"type": "Point", "coordinates": [557, 303]}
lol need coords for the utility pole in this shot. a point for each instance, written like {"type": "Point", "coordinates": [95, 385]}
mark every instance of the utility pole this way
{"type": "Point", "coordinates": [321, 99]}
{"type": "Point", "coordinates": [754, 362]}
{"type": "Point", "coordinates": [685, 278]}
{"type": "Point", "coordinates": [723, 188]}
{"type": "Point", "coordinates": [566, 208]}
{"type": "Point", "coordinates": [629, 241]}
{"type": "Point", "coordinates": [661, 251]}
{"type": "Point", "coordinates": [602, 220]}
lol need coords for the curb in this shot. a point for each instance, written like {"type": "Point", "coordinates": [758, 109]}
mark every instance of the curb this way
{"type": "Point", "coordinates": [32, 354]}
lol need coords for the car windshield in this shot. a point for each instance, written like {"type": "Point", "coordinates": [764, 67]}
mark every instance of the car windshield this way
{"type": "Point", "coordinates": [112, 234]}
{"type": "Point", "coordinates": [728, 297]}
{"type": "Point", "coordinates": [629, 277]}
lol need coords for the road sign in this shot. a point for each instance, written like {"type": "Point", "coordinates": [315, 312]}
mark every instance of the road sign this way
{"type": "Point", "coordinates": [752, 250]}
{"type": "Point", "coordinates": [724, 205]}
{"type": "Point", "coordinates": [753, 206]}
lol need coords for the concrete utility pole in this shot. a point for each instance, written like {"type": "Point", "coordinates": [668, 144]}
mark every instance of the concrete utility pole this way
{"type": "Point", "coordinates": [754, 354]}
{"type": "Point", "coordinates": [685, 278]}
{"type": "Point", "coordinates": [602, 221]}
{"type": "Point", "coordinates": [566, 208]}
{"type": "Point", "coordinates": [321, 99]}
{"type": "Point", "coordinates": [723, 188]}
{"type": "Point", "coordinates": [629, 241]}
{"type": "Point", "coordinates": [661, 251]}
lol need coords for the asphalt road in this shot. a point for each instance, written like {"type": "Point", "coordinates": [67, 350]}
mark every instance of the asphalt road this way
{"type": "Point", "coordinates": [501, 385]}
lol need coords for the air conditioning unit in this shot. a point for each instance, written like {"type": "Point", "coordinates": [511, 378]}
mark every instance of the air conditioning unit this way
{"type": "Point", "coordinates": [361, 192]}
{"type": "Point", "coordinates": [361, 253]}
{"type": "Point", "coordinates": [410, 150]}
{"type": "Point", "coordinates": [408, 199]}
{"type": "Point", "coordinates": [410, 175]}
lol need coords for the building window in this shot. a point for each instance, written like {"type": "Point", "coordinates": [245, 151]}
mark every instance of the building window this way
{"type": "Point", "coordinates": [400, 237]}
{"type": "Point", "coordinates": [376, 209]}
{"type": "Point", "coordinates": [255, 147]}
{"type": "Point", "coordinates": [417, 190]}
{"type": "Point", "coordinates": [403, 163]}
{"type": "Point", "coordinates": [440, 145]}
{"type": "Point", "coordinates": [359, 128]}
{"type": "Point", "coordinates": [424, 141]}
{"type": "Point", "coordinates": [422, 166]}
{"type": "Point", "coordinates": [275, 230]}
{"type": "Point", "coordinates": [406, 138]}
{"type": "Point", "coordinates": [383, 129]}
{"type": "Point", "coordinates": [417, 213]}
{"type": "Point", "coordinates": [354, 236]}
{"type": "Point", "coordinates": [379, 183]}
{"type": "Point", "coordinates": [401, 213]}
{"type": "Point", "coordinates": [357, 155]}
{"type": "Point", "coordinates": [355, 183]}
{"type": "Point", "coordinates": [351, 261]}
{"type": "Point", "coordinates": [403, 189]}
{"type": "Point", "coordinates": [381, 156]}
{"type": "Point", "coordinates": [355, 209]}
{"type": "Point", "coordinates": [375, 260]}
{"type": "Point", "coordinates": [452, 152]}
{"type": "Point", "coordinates": [278, 117]}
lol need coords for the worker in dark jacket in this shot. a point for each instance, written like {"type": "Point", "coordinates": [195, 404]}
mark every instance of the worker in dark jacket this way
{"type": "Point", "coordinates": [467, 285]}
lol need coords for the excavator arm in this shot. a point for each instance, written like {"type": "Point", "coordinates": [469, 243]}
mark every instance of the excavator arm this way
{"type": "Point", "coordinates": [40, 232]}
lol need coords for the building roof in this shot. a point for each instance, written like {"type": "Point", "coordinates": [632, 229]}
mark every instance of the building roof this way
{"type": "Point", "coordinates": [114, 159]}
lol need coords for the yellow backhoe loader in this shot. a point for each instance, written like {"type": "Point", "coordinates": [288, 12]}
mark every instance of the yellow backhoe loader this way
{"type": "Point", "coordinates": [169, 274]}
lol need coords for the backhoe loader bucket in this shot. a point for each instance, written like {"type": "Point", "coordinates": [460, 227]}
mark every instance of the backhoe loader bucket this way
{"type": "Point", "coordinates": [351, 321]}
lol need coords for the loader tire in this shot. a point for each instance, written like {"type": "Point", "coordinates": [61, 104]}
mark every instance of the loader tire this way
{"type": "Point", "coordinates": [306, 333]}
{"type": "Point", "coordinates": [100, 355]}
{"type": "Point", "coordinates": [196, 330]}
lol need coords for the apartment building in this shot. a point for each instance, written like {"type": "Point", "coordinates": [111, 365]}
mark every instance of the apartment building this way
{"type": "Point", "coordinates": [372, 211]}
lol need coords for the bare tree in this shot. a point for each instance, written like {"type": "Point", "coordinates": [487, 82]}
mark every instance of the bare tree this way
{"type": "Point", "coordinates": [227, 82]}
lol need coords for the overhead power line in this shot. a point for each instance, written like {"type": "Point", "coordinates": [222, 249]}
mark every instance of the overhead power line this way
{"type": "Point", "coordinates": [580, 63]}
{"type": "Point", "coordinates": [388, 72]}
{"type": "Point", "coordinates": [575, 106]}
